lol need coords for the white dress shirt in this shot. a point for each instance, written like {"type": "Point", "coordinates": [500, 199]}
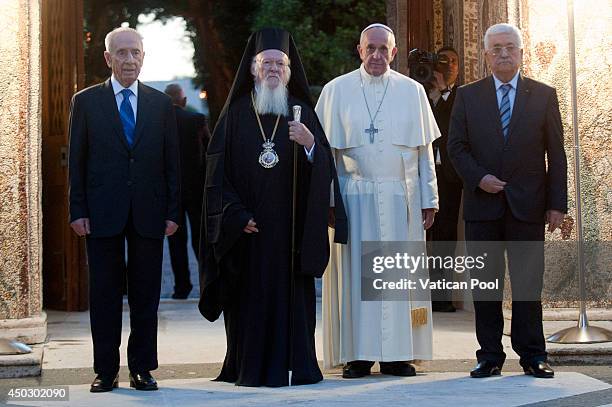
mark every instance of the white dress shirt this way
{"type": "Point", "coordinates": [500, 93]}
{"type": "Point", "coordinates": [310, 154]}
{"type": "Point", "coordinates": [435, 94]}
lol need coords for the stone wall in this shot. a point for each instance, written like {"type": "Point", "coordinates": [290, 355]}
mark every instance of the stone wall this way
{"type": "Point", "coordinates": [20, 169]}
{"type": "Point", "coordinates": [547, 59]}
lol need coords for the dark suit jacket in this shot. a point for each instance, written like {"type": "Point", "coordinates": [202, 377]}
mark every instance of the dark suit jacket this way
{"type": "Point", "coordinates": [193, 140]}
{"type": "Point", "coordinates": [476, 147]}
{"type": "Point", "coordinates": [108, 178]}
{"type": "Point", "coordinates": [442, 113]}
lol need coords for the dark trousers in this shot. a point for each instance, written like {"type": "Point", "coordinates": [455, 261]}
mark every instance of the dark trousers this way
{"type": "Point", "coordinates": [107, 275]}
{"type": "Point", "coordinates": [177, 244]}
{"type": "Point", "coordinates": [444, 230]}
{"type": "Point", "coordinates": [526, 269]}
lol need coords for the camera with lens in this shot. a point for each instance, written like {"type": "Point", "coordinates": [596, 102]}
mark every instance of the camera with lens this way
{"type": "Point", "coordinates": [422, 65]}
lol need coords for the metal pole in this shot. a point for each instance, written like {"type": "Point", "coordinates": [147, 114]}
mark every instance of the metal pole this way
{"type": "Point", "coordinates": [582, 333]}
{"type": "Point", "coordinates": [297, 112]}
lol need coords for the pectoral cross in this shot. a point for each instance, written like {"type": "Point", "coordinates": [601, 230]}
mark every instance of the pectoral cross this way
{"type": "Point", "coordinates": [371, 131]}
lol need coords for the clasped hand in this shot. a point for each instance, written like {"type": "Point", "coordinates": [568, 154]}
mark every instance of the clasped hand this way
{"type": "Point", "coordinates": [81, 227]}
{"type": "Point", "coordinates": [251, 227]}
{"type": "Point", "coordinates": [491, 184]}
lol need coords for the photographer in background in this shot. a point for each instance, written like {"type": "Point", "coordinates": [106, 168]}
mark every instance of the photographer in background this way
{"type": "Point", "coordinates": [441, 91]}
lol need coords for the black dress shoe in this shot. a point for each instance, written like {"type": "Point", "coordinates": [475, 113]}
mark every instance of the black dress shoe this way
{"type": "Point", "coordinates": [443, 306]}
{"type": "Point", "coordinates": [486, 368]}
{"type": "Point", "coordinates": [104, 383]}
{"type": "Point", "coordinates": [539, 369]}
{"type": "Point", "coordinates": [397, 369]}
{"type": "Point", "coordinates": [142, 381]}
{"type": "Point", "coordinates": [356, 369]}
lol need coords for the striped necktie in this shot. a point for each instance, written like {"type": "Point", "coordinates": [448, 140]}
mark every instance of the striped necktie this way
{"type": "Point", "coordinates": [126, 113]}
{"type": "Point", "coordinates": [504, 109]}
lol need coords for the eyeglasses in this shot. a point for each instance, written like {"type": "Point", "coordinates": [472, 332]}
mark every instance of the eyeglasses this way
{"type": "Point", "coordinates": [510, 49]}
{"type": "Point", "coordinates": [268, 63]}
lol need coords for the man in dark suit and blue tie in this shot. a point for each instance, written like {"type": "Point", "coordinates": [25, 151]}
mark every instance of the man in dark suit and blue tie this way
{"type": "Point", "coordinates": [506, 143]}
{"type": "Point", "coordinates": [124, 186]}
{"type": "Point", "coordinates": [193, 137]}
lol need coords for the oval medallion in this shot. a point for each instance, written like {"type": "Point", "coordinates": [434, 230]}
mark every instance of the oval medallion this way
{"type": "Point", "coordinates": [268, 158]}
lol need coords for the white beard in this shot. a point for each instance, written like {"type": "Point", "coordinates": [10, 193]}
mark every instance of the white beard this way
{"type": "Point", "coordinates": [271, 101]}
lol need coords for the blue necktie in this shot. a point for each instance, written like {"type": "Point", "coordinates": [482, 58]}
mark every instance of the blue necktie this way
{"type": "Point", "coordinates": [504, 109]}
{"type": "Point", "coordinates": [127, 116]}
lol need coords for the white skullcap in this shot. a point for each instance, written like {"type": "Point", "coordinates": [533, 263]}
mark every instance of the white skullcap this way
{"type": "Point", "coordinates": [378, 25]}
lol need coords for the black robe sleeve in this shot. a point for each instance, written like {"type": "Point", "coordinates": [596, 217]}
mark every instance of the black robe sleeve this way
{"type": "Point", "coordinates": [314, 246]}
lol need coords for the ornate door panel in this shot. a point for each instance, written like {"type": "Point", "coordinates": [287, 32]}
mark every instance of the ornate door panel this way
{"type": "Point", "coordinates": [65, 282]}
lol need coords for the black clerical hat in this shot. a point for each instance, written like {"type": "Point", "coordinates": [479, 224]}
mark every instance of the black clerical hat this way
{"type": "Point", "coordinates": [272, 38]}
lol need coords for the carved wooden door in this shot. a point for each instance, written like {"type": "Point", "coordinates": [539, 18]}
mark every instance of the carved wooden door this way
{"type": "Point", "coordinates": [65, 281]}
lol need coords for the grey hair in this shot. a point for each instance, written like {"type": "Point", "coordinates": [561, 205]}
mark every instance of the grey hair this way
{"type": "Point", "coordinates": [503, 28]}
{"type": "Point", "coordinates": [285, 57]}
{"type": "Point", "coordinates": [377, 25]}
{"type": "Point", "coordinates": [109, 37]}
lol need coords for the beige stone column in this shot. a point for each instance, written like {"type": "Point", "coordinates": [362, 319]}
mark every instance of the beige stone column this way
{"type": "Point", "coordinates": [21, 315]}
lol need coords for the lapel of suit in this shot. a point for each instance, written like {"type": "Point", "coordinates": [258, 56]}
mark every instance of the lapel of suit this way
{"type": "Point", "coordinates": [144, 95]}
{"type": "Point", "coordinates": [109, 106]}
{"type": "Point", "coordinates": [489, 98]}
{"type": "Point", "coordinates": [451, 95]}
{"type": "Point", "coordinates": [520, 101]}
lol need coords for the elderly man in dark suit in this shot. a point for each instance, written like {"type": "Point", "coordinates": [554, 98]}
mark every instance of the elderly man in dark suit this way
{"type": "Point", "coordinates": [193, 139]}
{"type": "Point", "coordinates": [124, 186]}
{"type": "Point", "coordinates": [506, 142]}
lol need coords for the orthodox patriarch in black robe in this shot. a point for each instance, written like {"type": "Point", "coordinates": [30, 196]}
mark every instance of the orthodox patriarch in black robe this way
{"type": "Point", "coordinates": [248, 276]}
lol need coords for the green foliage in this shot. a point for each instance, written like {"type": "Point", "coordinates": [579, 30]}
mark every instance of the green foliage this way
{"type": "Point", "coordinates": [231, 22]}
{"type": "Point", "coordinates": [326, 31]}
{"type": "Point", "coordinates": [100, 17]}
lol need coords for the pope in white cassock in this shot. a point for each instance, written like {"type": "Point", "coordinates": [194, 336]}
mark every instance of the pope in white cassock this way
{"type": "Point", "coordinates": [380, 127]}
